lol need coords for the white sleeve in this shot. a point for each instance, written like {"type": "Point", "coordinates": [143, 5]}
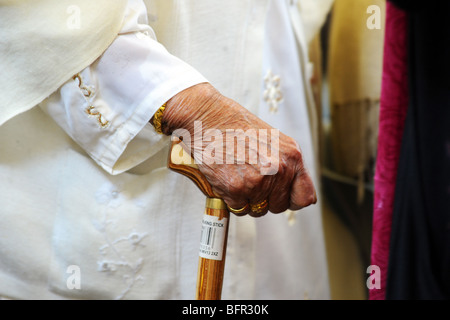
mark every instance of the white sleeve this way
{"type": "Point", "coordinates": [107, 108]}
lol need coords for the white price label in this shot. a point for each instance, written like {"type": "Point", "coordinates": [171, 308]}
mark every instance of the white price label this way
{"type": "Point", "coordinates": [212, 237]}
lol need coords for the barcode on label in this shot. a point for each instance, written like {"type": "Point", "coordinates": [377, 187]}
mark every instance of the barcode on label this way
{"type": "Point", "coordinates": [207, 238]}
{"type": "Point", "coordinates": [212, 237]}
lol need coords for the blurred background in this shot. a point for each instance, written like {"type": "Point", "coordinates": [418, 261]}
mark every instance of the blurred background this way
{"type": "Point", "coordinates": [347, 55]}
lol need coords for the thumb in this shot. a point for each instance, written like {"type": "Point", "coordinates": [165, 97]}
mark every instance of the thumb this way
{"type": "Point", "coordinates": [303, 192]}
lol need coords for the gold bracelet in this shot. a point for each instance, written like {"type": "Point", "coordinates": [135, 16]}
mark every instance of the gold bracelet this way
{"type": "Point", "coordinates": [157, 119]}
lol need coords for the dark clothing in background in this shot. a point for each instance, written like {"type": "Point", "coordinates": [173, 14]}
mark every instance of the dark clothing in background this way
{"type": "Point", "coordinates": [419, 259]}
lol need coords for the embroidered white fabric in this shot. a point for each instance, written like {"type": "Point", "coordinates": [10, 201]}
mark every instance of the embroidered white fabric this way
{"type": "Point", "coordinates": [127, 84]}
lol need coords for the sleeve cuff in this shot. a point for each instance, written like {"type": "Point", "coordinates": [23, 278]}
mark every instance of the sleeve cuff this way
{"type": "Point", "coordinates": [127, 85]}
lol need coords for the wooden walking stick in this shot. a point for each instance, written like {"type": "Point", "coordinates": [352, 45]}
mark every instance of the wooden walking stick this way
{"type": "Point", "coordinates": [213, 242]}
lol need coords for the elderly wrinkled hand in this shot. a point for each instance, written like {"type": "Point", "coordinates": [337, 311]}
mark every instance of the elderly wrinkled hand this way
{"type": "Point", "coordinates": [250, 165]}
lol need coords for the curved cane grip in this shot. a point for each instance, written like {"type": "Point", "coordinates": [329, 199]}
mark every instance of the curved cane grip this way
{"type": "Point", "coordinates": [181, 161]}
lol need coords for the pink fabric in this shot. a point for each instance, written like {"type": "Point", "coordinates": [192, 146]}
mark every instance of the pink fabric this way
{"type": "Point", "coordinates": [393, 107]}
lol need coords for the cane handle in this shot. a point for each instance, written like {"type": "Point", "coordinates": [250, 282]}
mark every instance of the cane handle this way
{"type": "Point", "coordinates": [180, 161]}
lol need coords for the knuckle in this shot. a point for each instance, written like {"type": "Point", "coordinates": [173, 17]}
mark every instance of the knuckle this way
{"type": "Point", "coordinates": [296, 155]}
{"type": "Point", "coordinates": [292, 143]}
{"type": "Point", "coordinates": [292, 151]}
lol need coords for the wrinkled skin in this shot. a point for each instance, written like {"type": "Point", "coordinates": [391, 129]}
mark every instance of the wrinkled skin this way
{"type": "Point", "coordinates": [278, 175]}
